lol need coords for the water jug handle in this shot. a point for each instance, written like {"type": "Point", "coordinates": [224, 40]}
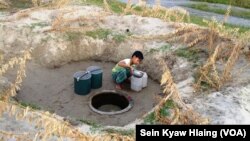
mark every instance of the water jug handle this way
{"type": "Point", "coordinates": [96, 70]}
{"type": "Point", "coordinates": [78, 78]}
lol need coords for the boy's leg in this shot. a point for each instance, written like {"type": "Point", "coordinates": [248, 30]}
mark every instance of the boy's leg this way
{"type": "Point", "coordinates": [128, 72]}
{"type": "Point", "coordinates": [120, 76]}
{"type": "Point", "coordinates": [128, 80]}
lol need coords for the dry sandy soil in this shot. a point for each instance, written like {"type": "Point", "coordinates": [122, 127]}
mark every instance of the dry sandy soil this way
{"type": "Point", "coordinates": [53, 90]}
{"type": "Point", "coordinates": [49, 82]}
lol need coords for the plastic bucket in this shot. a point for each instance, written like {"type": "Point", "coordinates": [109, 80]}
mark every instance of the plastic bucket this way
{"type": "Point", "coordinates": [96, 76]}
{"type": "Point", "coordinates": [82, 82]}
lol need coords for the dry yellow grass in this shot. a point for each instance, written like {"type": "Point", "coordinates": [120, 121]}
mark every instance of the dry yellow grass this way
{"type": "Point", "coordinates": [35, 2]}
{"type": "Point", "coordinates": [230, 62]}
{"type": "Point", "coordinates": [227, 14]}
{"type": "Point", "coordinates": [52, 3]}
{"type": "Point", "coordinates": [215, 39]}
{"type": "Point", "coordinates": [128, 7]}
{"type": "Point", "coordinates": [182, 114]}
{"type": "Point", "coordinates": [167, 14]}
{"type": "Point", "coordinates": [220, 43]}
{"type": "Point", "coordinates": [64, 24]}
{"type": "Point", "coordinates": [21, 61]}
{"type": "Point", "coordinates": [4, 4]}
{"type": "Point", "coordinates": [60, 3]}
{"type": "Point", "coordinates": [208, 72]}
{"type": "Point", "coordinates": [106, 6]}
{"type": "Point", "coordinates": [49, 126]}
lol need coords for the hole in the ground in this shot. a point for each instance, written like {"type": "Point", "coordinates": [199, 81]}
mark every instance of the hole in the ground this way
{"type": "Point", "coordinates": [110, 103]}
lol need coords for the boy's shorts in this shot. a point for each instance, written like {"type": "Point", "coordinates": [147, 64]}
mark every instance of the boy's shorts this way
{"type": "Point", "coordinates": [121, 75]}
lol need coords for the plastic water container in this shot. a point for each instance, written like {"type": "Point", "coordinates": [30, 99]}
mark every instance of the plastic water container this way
{"type": "Point", "coordinates": [136, 83]}
{"type": "Point", "coordinates": [82, 82]}
{"type": "Point", "coordinates": [96, 76]}
{"type": "Point", "coordinates": [144, 80]}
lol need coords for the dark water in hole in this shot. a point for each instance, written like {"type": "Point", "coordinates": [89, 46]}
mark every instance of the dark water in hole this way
{"type": "Point", "coordinates": [109, 108]}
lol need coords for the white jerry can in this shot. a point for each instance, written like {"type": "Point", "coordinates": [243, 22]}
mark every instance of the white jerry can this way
{"type": "Point", "coordinates": [144, 80]}
{"type": "Point", "coordinates": [136, 83]}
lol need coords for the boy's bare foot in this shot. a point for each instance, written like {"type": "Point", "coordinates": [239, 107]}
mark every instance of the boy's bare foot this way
{"type": "Point", "coordinates": [128, 80]}
{"type": "Point", "coordinates": [118, 86]}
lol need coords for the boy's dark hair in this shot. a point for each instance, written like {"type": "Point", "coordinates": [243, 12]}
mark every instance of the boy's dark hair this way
{"type": "Point", "coordinates": [138, 54]}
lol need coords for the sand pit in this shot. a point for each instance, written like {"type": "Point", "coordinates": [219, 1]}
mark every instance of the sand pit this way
{"type": "Point", "coordinates": [53, 90]}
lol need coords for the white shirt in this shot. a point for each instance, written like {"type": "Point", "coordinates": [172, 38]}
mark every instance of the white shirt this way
{"type": "Point", "coordinates": [127, 61]}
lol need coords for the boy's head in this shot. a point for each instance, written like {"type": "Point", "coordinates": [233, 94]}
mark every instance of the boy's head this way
{"type": "Point", "coordinates": [137, 57]}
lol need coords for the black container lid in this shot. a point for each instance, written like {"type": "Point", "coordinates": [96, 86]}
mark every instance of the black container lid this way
{"type": "Point", "coordinates": [82, 75]}
{"type": "Point", "coordinates": [95, 69]}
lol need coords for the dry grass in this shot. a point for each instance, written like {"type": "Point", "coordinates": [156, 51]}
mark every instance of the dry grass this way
{"type": "Point", "coordinates": [226, 48]}
{"type": "Point", "coordinates": [182, 113]}
{"type": "Point", "coordinates": [227, 14]}
{"type": "Point", "coordinates": [4, 4]}
{"type": "Point", "coordinates": [215, 40]}
{"type": "Point", "coordinates": [106, 6]}
{"type": "Point", "coordinates": [60, 3]}
{"type": "Point", "coordinates": [35, 3]}
{"type": "Point", "coordinates": [128, 7]}
{"type": "Point", "coordinates": [62, 24]}
{"type": "Point", "coordinates": [51, 3]}
{"type": "Point", "coordinates": [166, 14]}
{"type": "Point", "coordinates": [48, 126]}
{"type": "Point", "coordinates": [208, 72]}
{"type": "Point", "coordinates": [21, 61]}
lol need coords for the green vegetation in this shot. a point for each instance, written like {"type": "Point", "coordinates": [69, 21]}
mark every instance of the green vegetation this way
{"type": "Point", "coordinates": [103, 34]}
{"type": "Point", "coordinates": [204, 86]}
{"type": "Point", "coordinates": [242, 29]}
{"type": "Point", "coordinates": [163, 48]}
{"type": "Point", "coordinates": [165, 110]}
{"type": "Point", "coordinates": [150, 118]}
{"type": "Point", "coordinates": [240, 3]}
{"type": "Point", "coordinates": [199, 21]}
{"type": "Point", "coordinates": [138, 8]}
{"type": "Point", "coordinates": [114, 5]}
{"type": "Point", "coordinates": [119, 37]}
{"type": "Point", "coordinates": [71, 36]}
{"type": "Point", "coordinates": [117, 7]}
{"type": "Point", "coordinates": [90, 123]}
{"type": "Point", "coordinates": [206, 7]}
{"type": "Point", "coordinates": [22, 4]}
{"type": "Point", "coordinates": [31, 105]}
{"type": "Point", "coordinates": [130, 132]}
{"type": "Point", "coordinates": [94, 126]}
{"type": "Point", "coordinates": [93, 2]}
{"type": "Point", "coordinates": [39, 24]}
{"type": "Point", "coordinates": [189, 54]}
{"type": "Point", "coordinates": [96, 34]}
{"type": "Point", "coordinates": [99, 33]}
{"type": "Point", "coordinates": [16, 4]}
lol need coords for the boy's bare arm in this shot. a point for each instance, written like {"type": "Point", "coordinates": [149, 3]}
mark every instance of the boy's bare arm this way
{"type": "Point", "coordinates": [123, 64]}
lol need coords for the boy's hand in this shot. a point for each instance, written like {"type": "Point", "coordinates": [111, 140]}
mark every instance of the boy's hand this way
{"type": "Point", "coordinates": [131, 70]}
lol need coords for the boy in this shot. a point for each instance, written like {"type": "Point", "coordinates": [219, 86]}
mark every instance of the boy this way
{"type": "Point", "coordinates": [124, 69]}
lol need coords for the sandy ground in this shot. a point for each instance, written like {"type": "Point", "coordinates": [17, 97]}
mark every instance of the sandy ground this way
{"type": "Point", "coordinates": [53, 90]}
